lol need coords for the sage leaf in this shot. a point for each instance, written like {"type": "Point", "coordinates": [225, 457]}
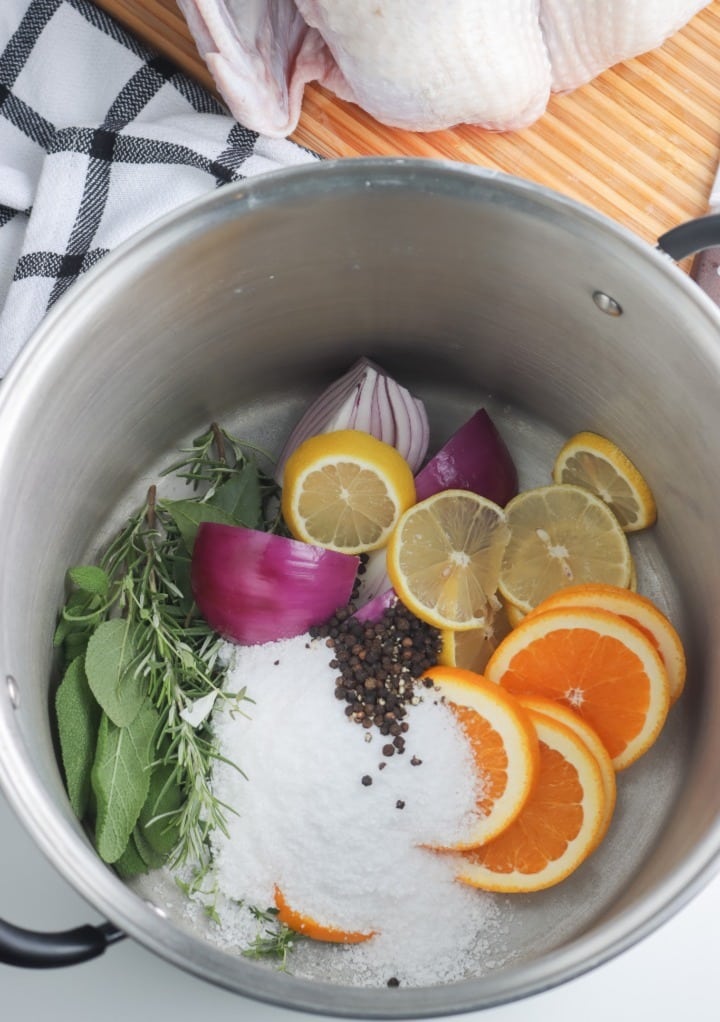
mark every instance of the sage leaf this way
{"type": "Point", "coordinates": [188, 514]}
{"type": "Point", "coordinates": [151, 858]}
{"type": "Point", "coordinates": [131, 863]}
{"type": "Point", "coordinates": [121, 778]}
{"type": "Point", "coordinates": [241, 497]}
{"type": "Point", "coordinates": [109, 662]}
{"type": "Point", "coordinates": [78, 718]}
{"type": "Point", "coordinates": [90, 579]}
{"type": "Point", "coordinates": [159, 820]}
{"type": "Point", "coordinates": [76, 644]}
{"type": "Point", "coordinates": [80, 616]}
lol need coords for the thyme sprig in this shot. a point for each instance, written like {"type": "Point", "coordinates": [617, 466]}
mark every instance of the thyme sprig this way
{"type": "Point", "coordinates": [134, 641]}
{"type": "Point", "coordinates": [276, 942]}
{"type": "Point", "coordinates": [214, 458]}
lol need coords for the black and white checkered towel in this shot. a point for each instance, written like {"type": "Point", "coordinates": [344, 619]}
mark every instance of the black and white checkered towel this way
{"type": "Point", "coordinates": [98, 137]}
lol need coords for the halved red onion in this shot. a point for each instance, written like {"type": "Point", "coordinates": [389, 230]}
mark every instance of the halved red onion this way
{"type": "Point", "coordinates": [474, 458]}
{"type": "Point", "coordinates": [255, 587]}
{"type": "Point", "coordinates": [368, 399]}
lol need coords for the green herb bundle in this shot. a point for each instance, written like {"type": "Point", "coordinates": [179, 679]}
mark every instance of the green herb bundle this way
{"type": "Point", "coordinates": [142, 669]}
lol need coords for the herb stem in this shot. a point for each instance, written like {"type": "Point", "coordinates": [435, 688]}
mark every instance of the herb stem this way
{"type": "Point", "coordinates": [219, 442]}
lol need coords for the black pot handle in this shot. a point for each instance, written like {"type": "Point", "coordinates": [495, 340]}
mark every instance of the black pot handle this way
{"type": "Point", "coordinates": [691, 237]}
{"type": "Point", "coordinates": [33, 950]}
{"type": "Point", "coordinates": [701, 236]}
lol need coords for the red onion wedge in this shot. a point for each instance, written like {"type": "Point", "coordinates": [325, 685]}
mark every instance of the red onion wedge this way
{"type": "Point", "coordinates": [474, 458]}
{"type": "Point", "coordinates": [365, 398]}
{"type": "Point", "coordinates": [255, 587]}
{"type": "Point", "coordinates": [375, 609]}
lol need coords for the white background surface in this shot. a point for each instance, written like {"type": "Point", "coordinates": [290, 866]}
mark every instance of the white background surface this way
{"type": "Point", "coordinates": [673, 975]}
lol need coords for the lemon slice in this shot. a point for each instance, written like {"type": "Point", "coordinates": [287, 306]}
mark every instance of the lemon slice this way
{"type": "Point", "coordinates": [472, 648]}
{"type": "Point", "coordinates": [560, 536]}
{"type": "Point", "coordinates": [596, 463]}
{"type": "Point", "coordinates": [444, 558]}
{"type": "Point", "coordinates": [513, 614]}
{"type": "Point", "coordinates": [345, 490]}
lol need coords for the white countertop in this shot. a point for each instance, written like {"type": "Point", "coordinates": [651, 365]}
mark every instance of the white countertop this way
{"type": "Point", "coordinates": [674, 974]}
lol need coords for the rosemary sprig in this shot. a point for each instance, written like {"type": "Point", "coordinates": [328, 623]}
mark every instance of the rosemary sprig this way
{"type": "Point", "coordinates": [177, 655]}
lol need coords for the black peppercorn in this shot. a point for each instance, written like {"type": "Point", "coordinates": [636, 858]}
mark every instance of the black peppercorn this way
{"type": "Point", "coordinates": [378, 664]}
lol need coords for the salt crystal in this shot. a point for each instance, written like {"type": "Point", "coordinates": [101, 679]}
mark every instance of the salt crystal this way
{"type": "Point", "coordinates": [338, 848]}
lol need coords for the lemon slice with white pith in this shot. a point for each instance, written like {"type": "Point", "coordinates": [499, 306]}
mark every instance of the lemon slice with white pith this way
{"type": "Point", "coordinates": [596, 463]}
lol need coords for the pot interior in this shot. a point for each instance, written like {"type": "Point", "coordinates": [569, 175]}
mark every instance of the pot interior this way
{"type": "Point", "coordinates": [473, 290]}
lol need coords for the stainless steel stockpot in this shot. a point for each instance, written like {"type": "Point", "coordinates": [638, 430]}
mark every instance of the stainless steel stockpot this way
{"type": "Point", "coordinates": [473, 288]}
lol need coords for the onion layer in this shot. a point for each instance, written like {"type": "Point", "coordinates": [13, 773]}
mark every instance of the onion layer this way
{"type": "Point", "coordinates": [475, 458]}
{"type": "Point", "coordinates": [255, 587]}
{"type": "Point", "coordinates": [365, 398]}
{"type": "Point", "coordinates": [374, 610]}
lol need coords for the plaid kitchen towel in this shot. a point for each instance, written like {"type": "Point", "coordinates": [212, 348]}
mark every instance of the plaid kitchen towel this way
{"type": "Point", "coordinates": [98, 137]}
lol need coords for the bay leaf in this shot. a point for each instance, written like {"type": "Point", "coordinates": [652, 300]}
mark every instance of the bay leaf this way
{"type": "Point", "coordinates": [109, 659]}
{"type": "Point", "coordinates": [121, 778]}
{"type": "Point", "coordinates": [188, 514]}
{"type": "Point", "coordinates": [241, 497]}
{"type": "Point", "coordinates": [78, 718]}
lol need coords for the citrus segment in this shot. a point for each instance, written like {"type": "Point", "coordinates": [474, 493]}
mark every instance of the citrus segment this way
{"type": "Point", "coordinates": [633, 583]}
{"type": "Point", "coordinates": [639, 611]}
{"type": "Point", "coordinates": [472, 648]}
{"type": "Point", "coordinates": [558, 826]}
{"type": "Point", "coordinates": [599, 665]}
{"type": "Point", "coordinates": [514, 614]}
{"type": "Point", "coordinates": [444, 558]}
{"type": "Point", "coordinates": [502, 742]}
{"type": "Point", "coordinates": [590, 737]}
{"type": "Point", "coordinates": [596, 463]}
{"type": "Point", "coordinates": [309, 927]}
{"type": "Point", "coordinates": [560, 536]}
{"type": "Point", "coordinates": [346, 491]}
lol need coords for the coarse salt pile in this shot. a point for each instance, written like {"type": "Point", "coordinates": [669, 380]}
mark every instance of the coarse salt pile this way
{"type": "Point", "coordinates": [339, 833]}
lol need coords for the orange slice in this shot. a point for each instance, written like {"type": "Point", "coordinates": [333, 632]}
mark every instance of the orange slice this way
{"type": "Point", "coordinates": [309, 927]}
{"type": "Point", "coordinates": [596, 463]}
{"type": "Point", "coordinates": [560, 536]}
{"type": "Point", "coordinates": [589, 736]}
{"type": "Point", "coordinates": [345, 490]}
{"type": "Point", "coordinates": [596, 663]}
{"type": "Point", "coordinates": [503, 745]}
{"type": "Point", "coordinates": [639, 611]}
{"type": "Point", "coordinates": [558, 826]}
{"type": "Point", "coordinates": [444, 558]}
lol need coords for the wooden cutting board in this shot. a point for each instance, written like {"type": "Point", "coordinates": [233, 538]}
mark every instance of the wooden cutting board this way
{"type": "Point", "coordinates": [640, 143]}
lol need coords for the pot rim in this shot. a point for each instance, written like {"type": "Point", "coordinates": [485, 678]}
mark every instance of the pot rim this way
{"type": "Point", "coordinates": [70, 852]}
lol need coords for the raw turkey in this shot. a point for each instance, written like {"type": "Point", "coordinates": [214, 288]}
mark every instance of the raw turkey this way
{"type": "Point", "coordinates": [418, 64]}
